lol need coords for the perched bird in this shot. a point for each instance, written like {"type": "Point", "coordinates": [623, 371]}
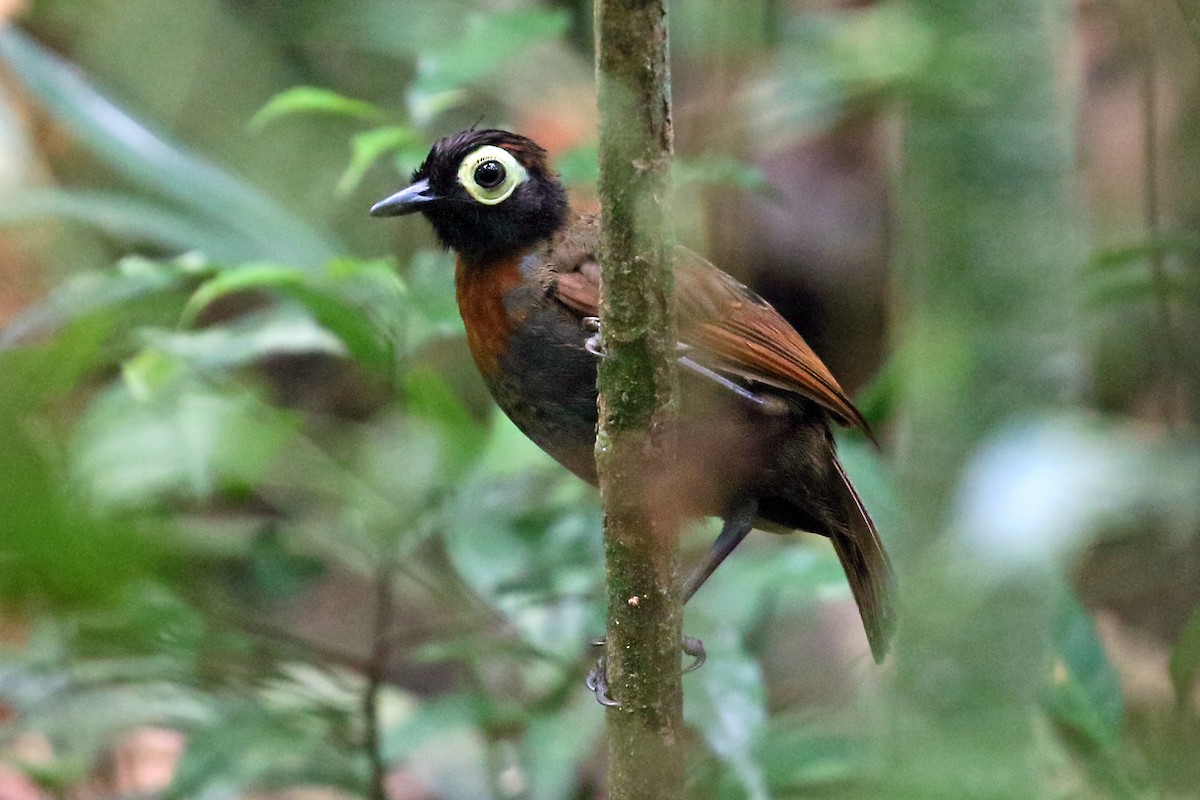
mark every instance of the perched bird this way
{"type": "Point", "coordinates": [756, 401]}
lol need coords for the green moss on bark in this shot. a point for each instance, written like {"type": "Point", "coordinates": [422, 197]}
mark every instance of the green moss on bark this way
{"type": "Point", "coordinates": [637, 383]}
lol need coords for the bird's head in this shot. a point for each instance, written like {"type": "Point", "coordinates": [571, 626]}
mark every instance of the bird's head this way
{"type": "Point", "coordinates": [487, 194]}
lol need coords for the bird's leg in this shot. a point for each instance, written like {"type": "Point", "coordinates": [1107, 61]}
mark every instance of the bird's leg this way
{"type": "Point", "coordinates": [766, 403]}
{"type": "Point", "coordinates": [738, 522]}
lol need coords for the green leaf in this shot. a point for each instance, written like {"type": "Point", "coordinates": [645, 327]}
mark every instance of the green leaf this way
{"type": "Point", "coordinates": [387, 27]}
{"type": "Point", "coordinates": [442, 744]}
{"type": "Point", "coordinates": [370, 146]}
{"type": "Point", "coordinates": [1126, 288]}
{"type": "Point", "coordinates": [526, 537]}
{"type": "Point", "coordinates": [400, 467]}
{"type": "Point", "coordinates": [428, 396]}
{"type": "Point", "coordinates": [87, 715]}
{"type": "Point", "coordinates": [129, 218]}
{"type": "Point", "coordinates": [434, 311]}
{"type": "Point", "coordinates": [1115, 258]}
{"type": "Point", "coordinates": [433, 719]}
{"type": "Point", "coordinates": [489, 41]}
{"type": "Point", "coordinates": [799, 754]}
{"type": "Point", "coordinates": [726, 702]}
{"type": "Point", "coordinates": [557, 746]}
{"type": "Point", "coordinates": [579, 166]}
{"type": "Point", "coordinates": [424, 107]}
{"type": "Point", "coordinates": [879, 399]}
{"type": "Point", "coordinates": [718, 171]}
{"type": "Point", "coordinates": [279, 571]}
{"type": "Point", "coordinates": [251, 747]}
{"type": "Point", "coordinates": [313, 100]}
{"type": "Point", "coordinates": [88, 294]}
{"type": "Point", "coordinates": [1085, 693]}
{"type": "Point", "coordinates": [149, 373]}
{"type": "Point", "coordinates": [1185, 661]}
{"type": "Point", "coordinates": [785, 572]}
{"type": "Point", "coordinates": [277, 330]}
{"type": "Point", "coordinates": [183, 440]}
{"type": "Point", "coordinates": [372, 347]}
{"type": "Point", "coordinates": [56, 554]}
{"type": "Point", "coordinates": [159, 164]}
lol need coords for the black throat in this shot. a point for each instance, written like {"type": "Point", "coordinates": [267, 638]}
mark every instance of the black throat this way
{"type": "Point", "coordinates": [480, 234]}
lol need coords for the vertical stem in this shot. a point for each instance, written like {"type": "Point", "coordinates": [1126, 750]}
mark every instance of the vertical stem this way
{"type": "Point", "coordinates": [1168, 353]}
{"type": "Point", "coordinates": [636, 381]}
{"type": "Point", "coordinates": [376, 676]}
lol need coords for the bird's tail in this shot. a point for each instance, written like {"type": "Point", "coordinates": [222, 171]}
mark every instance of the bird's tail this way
{"type": "Point", "coordinates": [866, 564]}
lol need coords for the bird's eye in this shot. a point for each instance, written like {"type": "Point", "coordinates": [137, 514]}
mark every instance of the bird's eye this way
{"type": "Point", "coordinates": [491, 174]}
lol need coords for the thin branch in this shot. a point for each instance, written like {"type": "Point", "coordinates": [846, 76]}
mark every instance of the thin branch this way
{"type": "Point", "coordinates": [278, 635]}
{"type": "Point", "coordinates": [1169, 360]}
{"type": "Point", "coordinates": [376, 672]}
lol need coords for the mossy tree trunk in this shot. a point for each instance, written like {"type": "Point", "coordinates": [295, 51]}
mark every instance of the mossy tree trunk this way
{"type": "Point", "coordinates": [637, 383]}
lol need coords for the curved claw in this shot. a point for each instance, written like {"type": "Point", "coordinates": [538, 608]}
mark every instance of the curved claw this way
{"type": "Point", "coordinates": [597, 677]}
{"type": "Point", "coordinates": [594, 343]}
{"type": "Point", "coordinates": [694, 648]}
{"type": "Point", "coordinates": [597, 682]}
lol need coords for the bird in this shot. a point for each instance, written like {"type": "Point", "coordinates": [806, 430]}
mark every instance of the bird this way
{"type": "Point", "coordinates": [757, 404]}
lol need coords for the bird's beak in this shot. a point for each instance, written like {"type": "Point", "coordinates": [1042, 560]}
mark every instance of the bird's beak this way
{"type": "Point", "coordinates": [405, 201]}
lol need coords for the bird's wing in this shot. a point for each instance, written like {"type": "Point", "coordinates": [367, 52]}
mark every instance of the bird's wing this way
{"type": "Point", "coordinates": [732, 329]}
{"type": "Point", "coordinates": [722, 324]}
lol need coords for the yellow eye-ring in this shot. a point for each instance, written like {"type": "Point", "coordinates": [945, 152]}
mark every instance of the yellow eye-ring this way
{"type": "Point", "coordinates": [490, 174]}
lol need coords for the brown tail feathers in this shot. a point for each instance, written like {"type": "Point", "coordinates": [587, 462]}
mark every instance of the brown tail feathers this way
{"type": "Point", "coordinates": [867, 566]}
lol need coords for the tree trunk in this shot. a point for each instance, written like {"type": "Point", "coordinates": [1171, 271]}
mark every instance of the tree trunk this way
{"type": "Point", "coordinates": [637, 382]}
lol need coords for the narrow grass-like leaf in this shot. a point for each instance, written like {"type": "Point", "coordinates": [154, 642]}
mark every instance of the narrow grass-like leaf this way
{"type": "Point", "coordinates": [159, 164]}
{"type": "Point", "coordinates": [313, 100]}
{"type": "Point", "coordinates": [130, 218]}
{"type": "Point", "coordinates": [1136, 254]}
{"type": "Point", "coordinates": [1131, 287]}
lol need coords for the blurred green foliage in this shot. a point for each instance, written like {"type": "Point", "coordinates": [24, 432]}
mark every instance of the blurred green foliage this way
{"type": "Point", "coordinates": [248, 493]}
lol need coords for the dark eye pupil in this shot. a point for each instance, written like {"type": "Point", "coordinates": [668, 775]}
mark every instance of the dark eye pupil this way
{"type": "Point", "coordinates": [489, 174]}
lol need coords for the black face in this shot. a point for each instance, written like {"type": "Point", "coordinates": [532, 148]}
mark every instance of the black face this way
{"type": "Point", "coordinates": [487, 194]}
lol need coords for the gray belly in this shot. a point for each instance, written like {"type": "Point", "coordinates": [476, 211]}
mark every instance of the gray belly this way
{"type": "Point", "coordinates": [547, 387]}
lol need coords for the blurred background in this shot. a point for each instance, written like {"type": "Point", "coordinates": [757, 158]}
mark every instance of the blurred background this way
{"type": "Point", "coordinates": [263, 533]}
